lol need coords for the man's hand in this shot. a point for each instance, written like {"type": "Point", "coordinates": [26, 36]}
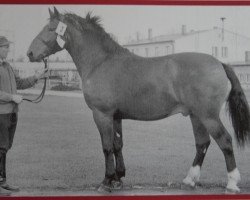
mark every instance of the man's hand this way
{"type": "Point", "coordinates": [42, 74]}
{"type": "Point", "coordinates": [17, 98]}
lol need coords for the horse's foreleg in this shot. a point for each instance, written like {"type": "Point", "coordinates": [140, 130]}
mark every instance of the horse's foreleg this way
{"type": "Point", "coordinates": [224, 141]}
{"type": "Point", "coordinates": [202, 142]}
{"type": "Point", "coordinates": [118, 144]}
{"type": "Point", "coordinates": [104, 124]}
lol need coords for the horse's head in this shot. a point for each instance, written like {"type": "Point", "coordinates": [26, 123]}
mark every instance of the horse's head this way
{"type": "Point", "coordinates": [50, 40]}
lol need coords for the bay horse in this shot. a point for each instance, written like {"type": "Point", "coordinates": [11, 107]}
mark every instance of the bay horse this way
{"type": "Point", "coordinates": [118, 84]}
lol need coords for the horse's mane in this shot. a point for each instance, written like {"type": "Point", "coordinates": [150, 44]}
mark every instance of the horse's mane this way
{"type": "Point", "coordinates": [93, 24]}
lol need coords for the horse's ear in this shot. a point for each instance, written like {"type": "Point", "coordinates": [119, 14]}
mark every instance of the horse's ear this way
{"type": "Point", "coordinates": [51, 14]}
{"type": "Point", "coordinates": [56, 13]}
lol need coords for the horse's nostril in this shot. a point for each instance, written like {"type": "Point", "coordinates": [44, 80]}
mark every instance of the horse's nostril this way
{"type": "Point", "coordinates": [30, 54]}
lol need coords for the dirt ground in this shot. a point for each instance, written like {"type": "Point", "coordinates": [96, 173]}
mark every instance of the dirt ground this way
{"type": "Point", "coordinates": [57, 151]}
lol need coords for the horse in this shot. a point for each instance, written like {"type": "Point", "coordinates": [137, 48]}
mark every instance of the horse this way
{"type": "Point", "coordinates": [119, 85]}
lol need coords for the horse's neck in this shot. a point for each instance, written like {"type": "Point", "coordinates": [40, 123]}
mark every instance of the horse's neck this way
{"type": "Point", "coordinates": [85, 55]}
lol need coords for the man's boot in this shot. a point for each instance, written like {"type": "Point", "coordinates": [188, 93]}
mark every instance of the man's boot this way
{"type": "Point", "coordinates": [3, 191]}
{"type": "Point", "coordinates": [4, 184]}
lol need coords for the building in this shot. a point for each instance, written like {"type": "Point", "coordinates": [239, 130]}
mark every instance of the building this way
{"type": "Point", "coordinates": [225, 45]}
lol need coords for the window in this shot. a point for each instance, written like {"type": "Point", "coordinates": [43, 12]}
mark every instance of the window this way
{"type": "Point", "coordinates": [156, 51]}
{"type": "Point", "coordinates": [224, 52]}
{"type": "Point", "coordinates": [242, 78]}
{"type": "Point", "coordinates": [167, 50]}
{"type": "Point", "coordinates": [146, 52]}
{"type": "Point", "coordinates": [248, 78]}
{"type": "Point", "coordinates": [215, 51]}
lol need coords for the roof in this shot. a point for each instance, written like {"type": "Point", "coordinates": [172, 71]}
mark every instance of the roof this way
{"type": "Point", "coordinates": [173, 37]}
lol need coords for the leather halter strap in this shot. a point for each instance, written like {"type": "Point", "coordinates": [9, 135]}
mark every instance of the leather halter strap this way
{"type": "Point", "coordinates": [40, 97]}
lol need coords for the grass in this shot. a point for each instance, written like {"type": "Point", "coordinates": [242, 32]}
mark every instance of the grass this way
{"type": "Point", "coordinates": [57, 147]}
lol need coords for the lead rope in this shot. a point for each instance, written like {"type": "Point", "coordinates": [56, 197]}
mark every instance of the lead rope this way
{"type": "Point", "coordinates": [40, 97]}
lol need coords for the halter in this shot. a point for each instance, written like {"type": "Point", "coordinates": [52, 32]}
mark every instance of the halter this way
{"type": "Point", "coordinates": [60, 31]}
{"type": "Point", "coordinates": [40, 97]}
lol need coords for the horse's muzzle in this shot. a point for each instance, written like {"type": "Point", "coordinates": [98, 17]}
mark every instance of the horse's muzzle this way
{"type": "Point", "coordinates": [30, 55]}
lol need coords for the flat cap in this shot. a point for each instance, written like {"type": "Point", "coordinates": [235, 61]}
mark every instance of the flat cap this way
{"type": "Point", "coordinates": [4, 41]}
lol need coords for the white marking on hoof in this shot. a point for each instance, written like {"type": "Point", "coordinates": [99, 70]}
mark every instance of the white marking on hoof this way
{"type": "Point", "coordinates": [188, 181]}
{"type": "Point", "coordinates": [233, 180]}
{"type": "Point", "coordinates": [234, 191]}
{"type": "Point", "coordinates": [193, 176]}
{"type": "Point", "coordinates": [104, 189]}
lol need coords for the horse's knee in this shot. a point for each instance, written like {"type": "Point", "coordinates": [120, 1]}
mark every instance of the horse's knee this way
{"type": "Point", "coordinates": [118, 144]}
{"type": "Point", "coordinates": [203, 147]}
{"type": "Point", "coordinates": [107, 146]}
{"type": "Point", "coordinates": [108, 150]}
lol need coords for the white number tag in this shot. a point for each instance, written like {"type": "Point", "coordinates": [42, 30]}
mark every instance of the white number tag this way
{"type": "Point", "coordinates": [61, 28]}
{"type": "Point", "coordinates": [60, 41]}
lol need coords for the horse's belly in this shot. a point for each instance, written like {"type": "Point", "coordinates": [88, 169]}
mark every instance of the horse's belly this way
{"type": "Point", "coordinates": [151, 108]}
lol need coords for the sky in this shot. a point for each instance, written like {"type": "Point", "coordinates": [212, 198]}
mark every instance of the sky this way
{"type": "Point", "coordinates": [24, 22]}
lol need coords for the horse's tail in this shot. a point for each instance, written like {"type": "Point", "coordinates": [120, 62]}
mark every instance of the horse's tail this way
{"type": "Point", "coordinates": [238, 108]}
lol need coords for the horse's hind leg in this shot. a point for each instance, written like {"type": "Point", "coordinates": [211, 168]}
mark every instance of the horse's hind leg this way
{"type": "Point", "coordinates": [217, 130]}
{"type": "Point", "coordinates": [118, 144]}
{"type": "Point", "coordinates": [202, 142]}
{"type": "Point", "coordinates": [104, 124]}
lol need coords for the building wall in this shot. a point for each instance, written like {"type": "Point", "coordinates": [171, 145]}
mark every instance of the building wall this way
{"type": "Point", "coordinates": [152, 49]}
{"type": "Point", "coordinates": [243, 73]}
{"type": "Point", "coordinates": [227, 47]}
{"type": "Point", "coordinates": [230, 49]}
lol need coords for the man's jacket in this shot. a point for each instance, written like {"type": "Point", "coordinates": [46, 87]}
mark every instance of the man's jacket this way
{"type": "Point", "coordinates": [9, 83]}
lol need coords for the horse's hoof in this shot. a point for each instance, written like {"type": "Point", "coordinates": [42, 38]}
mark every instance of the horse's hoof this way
{"type": "Point", "coordinates": [232, 189]}
{"type": "Point", "coordinates": [116, 185]}
{"type": "Point", "coordinates": [228, 191]}
{"type": "Point", "coordinates": [104, 189]}
{"type": "Point", "coordinates": [189, 182]}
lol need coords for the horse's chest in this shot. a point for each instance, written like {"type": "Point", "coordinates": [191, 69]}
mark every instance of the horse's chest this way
{"type": "Point", "coordinates": [97, 94]}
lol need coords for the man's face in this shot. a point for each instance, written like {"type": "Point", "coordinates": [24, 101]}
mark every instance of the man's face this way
{"type": "Point", "coordinates": [4, 50]}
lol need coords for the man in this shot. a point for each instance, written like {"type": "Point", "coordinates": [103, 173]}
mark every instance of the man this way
{"type": "Point", "coordinates": [9, 101]}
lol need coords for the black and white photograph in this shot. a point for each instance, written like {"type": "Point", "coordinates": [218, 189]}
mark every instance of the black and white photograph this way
{"type": "Point", "coordinates": [124, 100]}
